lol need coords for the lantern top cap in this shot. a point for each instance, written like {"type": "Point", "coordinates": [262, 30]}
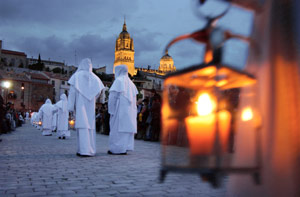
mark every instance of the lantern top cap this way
{"type": "Point", "coordinates": [207, 76]}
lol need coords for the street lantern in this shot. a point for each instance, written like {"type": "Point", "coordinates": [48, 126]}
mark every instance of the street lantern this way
{"type": "Point", "coordinates": [200, 113]}
{"type": "Point", "coordinates": [6, 85]}
{"type": "Point", "coordinates": [199, 119]}
{"type": "Point", "coordinates": [72, 123]}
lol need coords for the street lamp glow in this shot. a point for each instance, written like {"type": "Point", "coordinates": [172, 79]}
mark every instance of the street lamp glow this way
{"type": "Point", "coordinates": [6, 84]}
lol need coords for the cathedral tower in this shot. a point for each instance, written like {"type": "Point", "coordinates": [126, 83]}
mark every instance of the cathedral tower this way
{"type": "Point", "coordinates": [124, 51]}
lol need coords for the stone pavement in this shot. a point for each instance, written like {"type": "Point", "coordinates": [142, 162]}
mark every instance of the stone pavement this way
{"type": "Point", "coordinates": [36, 165]}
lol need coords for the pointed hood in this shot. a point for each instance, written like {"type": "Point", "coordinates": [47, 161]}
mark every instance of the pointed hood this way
{"type": "Point", "coordinates": [123, 84]}
{"type": "Point", "coordinates": [63, 103]}
{"type": "Point", "coordinates": [85, 81]}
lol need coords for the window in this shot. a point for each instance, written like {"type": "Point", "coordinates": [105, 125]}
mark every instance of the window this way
{"type": "Point", "coordinates": [63, 82]}
{"type": "Point", "coordinates": [53, 82]}
{"type": "Point", "coordinates": [12, 95]}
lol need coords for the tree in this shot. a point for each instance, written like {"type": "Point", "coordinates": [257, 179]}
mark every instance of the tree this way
{"type": "Point", "coordinates": [39, 60]}
{"type": "Point", "coordinates": [38, 66]}
{"type": "Point", "coordinates": [47, 69]}
{"type": "Point", "coordinates": [56, 70]}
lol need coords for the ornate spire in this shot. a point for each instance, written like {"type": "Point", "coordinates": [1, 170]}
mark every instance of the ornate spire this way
{"type": "Point", "coordinates": [124, 25]}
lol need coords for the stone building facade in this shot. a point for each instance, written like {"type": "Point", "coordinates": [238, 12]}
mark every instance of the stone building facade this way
{"type": "Point", "coordinates": [27, 91]}
{"type": "Point", "coordinates": [12, 58]}
{"type": "Point", "coordinates": [59, 83]}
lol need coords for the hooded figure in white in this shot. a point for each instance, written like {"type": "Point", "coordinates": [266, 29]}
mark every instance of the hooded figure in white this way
{"type": "Point", "coordinates": [123, 111]}
{"type": "Point", "coordinates": [61, 109]}
{"type": "Point", "coordinates": [27, 116]}
{"type": "Point", "coordinates": [85, 88]}
{"type": "Point", "coordinates": [45, 115]}
{"type": "Point", "coordinates": [32, 119]}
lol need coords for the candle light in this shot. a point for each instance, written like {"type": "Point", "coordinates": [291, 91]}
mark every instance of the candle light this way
{"type": "Point", "coordinates": [248, 115]}
{"type": "Point", "coordinates": [224, 122]}
{"type": "Point", "coordinates": [72, 122]}
{"type": "Point", "coordinates": [201, 129]}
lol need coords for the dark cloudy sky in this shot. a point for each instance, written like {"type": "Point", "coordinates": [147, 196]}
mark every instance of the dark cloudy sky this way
{"type": "Point", "coordinates": [56, 28]}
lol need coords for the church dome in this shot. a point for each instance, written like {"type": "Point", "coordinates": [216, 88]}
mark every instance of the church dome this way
{"type": "Point", "coordinates": [166, 63]}
{"type": "Point", "coordinates": [124, 33]}
{"type": "Point", "coordinates": [166, 57]}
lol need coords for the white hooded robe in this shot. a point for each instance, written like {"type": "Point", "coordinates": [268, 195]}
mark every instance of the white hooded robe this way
{"type": "Point", "coordinates": [85, 88]}
{"type": "Point", "coordinates": [54, 120]}
{"type": "Point", "coordinates": [45, 115]}
{"type": "Point", "coordinates": [123, 112]}
{"type": "Point", "coordinates": [62, 117]}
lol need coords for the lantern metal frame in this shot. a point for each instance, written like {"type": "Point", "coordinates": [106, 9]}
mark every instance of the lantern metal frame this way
{"type": "Point", "coordinates": [214, 174]}
{"type": "Point", "coordinates": [207, 35]}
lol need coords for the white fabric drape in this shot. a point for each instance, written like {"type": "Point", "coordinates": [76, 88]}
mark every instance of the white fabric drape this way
{"type": "Point", "coordinates": [85, 88]}
{"type": "Point", "coordinates": [123, 111]}
{"type": "Point", "coordinates": [45, 115]}
{"type": "Point", "coordinates": [85, 81]}
{"type": "Point", "coordinates": [62, 116]}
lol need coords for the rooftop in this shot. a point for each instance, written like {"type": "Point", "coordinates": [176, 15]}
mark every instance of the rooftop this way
{"type": "Point", "coordinates": [9, 52]}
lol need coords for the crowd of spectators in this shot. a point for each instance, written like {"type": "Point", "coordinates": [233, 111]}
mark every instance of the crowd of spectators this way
{"type": "Point", "coordinates": [148, 115]}
{"type": "Point", "coordinates": [9, 117]}
{"type": "Point", "coordinates": [149, 118]}
{"type": "Point", "coordinates": [102, 119]}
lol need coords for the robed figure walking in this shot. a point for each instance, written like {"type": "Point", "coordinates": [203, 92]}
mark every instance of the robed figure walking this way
{"type": "Point", "coordinates": [62, 117]}
{"type": "Point", "coordinates": [123, 112]}
{"type": "Point", "coordinates": [85, 88]}
{"type": "Point", "coordinates": [45, 115]}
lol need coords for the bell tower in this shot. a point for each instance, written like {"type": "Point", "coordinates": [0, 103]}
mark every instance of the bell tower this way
{"type": "Point", "coordinates": [124, 50]}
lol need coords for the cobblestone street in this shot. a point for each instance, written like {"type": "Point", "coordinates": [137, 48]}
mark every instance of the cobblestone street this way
{"type": "Point", "coordinates": [36, 165]}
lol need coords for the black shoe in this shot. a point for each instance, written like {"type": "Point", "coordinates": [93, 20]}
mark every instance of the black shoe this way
{"type": "Point", "coordinates": [63, 137]}
{"type": "Point", "coordinates": [110, 153]}
{"type": "Point", "coordinates": [79, 155]}
{"type": "Point", "coordinates": [59, 137]}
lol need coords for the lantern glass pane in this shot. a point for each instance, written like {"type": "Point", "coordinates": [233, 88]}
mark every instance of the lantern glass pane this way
{"type": "Point", "coordinates": [199, 113]}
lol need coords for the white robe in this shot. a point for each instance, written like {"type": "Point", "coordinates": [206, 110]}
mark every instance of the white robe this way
{"type": "Point", "coordinates": [85, 88]}
{"type": "Point", "coordinates": [54, 120]}
{"type": "Point", "coordinates": [45, 115]}
{"type": "Point", "coordinates": [84, 122]}
{"type": "Point", "coordinates": [62, 119]}
{"type": "Point", "coordinates": [27, 116]}
{"type": "Point", "coordinates": [123, 113]}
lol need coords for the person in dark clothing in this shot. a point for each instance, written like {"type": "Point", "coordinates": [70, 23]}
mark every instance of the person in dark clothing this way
{"type": "Point", "coordinates": [143, 124]}
{"type": "Point", "coordinates": [1, 115]}
{"type": "Point", "coordinates": [106, 117]}
{"type": "Point", "coordinates": [155, 123]}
